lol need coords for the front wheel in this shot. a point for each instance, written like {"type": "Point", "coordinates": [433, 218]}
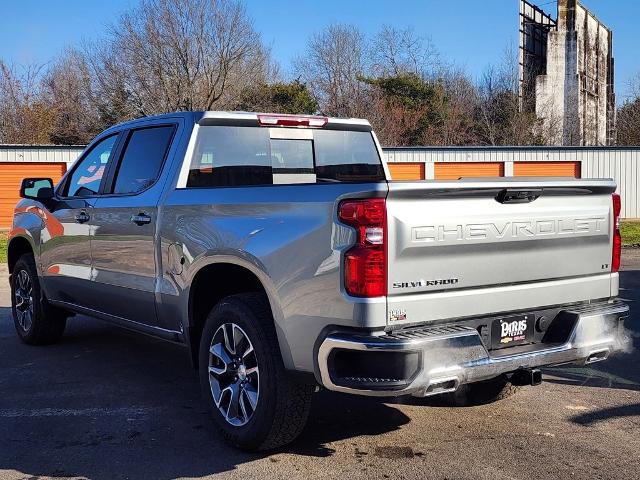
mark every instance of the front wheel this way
{"type": "Point", "coordinates": [254, 403]}
{"type": "Point", "coordinates": [36, 322]}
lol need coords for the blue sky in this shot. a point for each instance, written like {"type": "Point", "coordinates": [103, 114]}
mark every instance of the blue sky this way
{"type": "Point", "coordinates": [472, 33]}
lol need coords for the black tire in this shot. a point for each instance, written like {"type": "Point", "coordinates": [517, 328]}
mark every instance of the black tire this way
{"type": "Point", "coordinates": [282, 406]}
{"type": "Point", "coordinates": [481, 393]}
{"type": "Point", "coordinates": [36, 321]}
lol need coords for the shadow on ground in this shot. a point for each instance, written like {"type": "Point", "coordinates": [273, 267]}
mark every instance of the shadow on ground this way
{"type": "Point", "coordinates": [619, 371]}
{"type": "Point", "coordinates": [106, 403]}
{"type": "Point", "coordinates": [606, 414]}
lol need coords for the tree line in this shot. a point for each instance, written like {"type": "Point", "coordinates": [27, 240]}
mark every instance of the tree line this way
{"type": "Point", "coordinates": [169, 55]}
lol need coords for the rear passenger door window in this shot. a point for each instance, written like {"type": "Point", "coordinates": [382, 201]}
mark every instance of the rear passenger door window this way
{"type": "Point", "coordinates": [141, 162]}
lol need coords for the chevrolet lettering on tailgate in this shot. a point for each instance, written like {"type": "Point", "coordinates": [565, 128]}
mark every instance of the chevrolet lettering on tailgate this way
{"type": "Point", "coordinates": [510, 230]}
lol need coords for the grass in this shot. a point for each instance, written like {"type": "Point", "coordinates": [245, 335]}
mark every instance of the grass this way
{"type": "Point", "coordinates": [3, 247]}
{"type": "Point", "coordinates": [630, 231]}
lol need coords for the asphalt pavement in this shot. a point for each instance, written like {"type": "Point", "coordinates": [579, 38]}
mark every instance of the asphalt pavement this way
{"type": "Point", "coordinates": [107, 404]}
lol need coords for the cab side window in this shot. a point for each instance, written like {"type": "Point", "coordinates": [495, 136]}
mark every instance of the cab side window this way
{"type": "Point", "coordinates": [142, 159]}
{"type": "Point", "coordinates": [86, 177]}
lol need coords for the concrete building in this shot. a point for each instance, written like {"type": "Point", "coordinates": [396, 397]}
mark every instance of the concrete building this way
{"type": "Point", "coordinates": [567, 74]}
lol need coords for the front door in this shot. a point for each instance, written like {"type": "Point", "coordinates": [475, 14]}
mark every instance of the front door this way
{"type": "Point", "coordinates": [65, 245]}
{"type": "Point", "coordinates": [124, 220]}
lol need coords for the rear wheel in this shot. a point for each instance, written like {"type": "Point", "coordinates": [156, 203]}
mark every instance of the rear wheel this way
{"type": "Point", "coordinates": [36, 322]}
{"type": "Point", "coordinates": [254, 403]}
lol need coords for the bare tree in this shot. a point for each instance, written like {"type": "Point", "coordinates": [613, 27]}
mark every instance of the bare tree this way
{"type": "Point", "coordinates": [500, 120]}
{"type": "Point", "coordinates": [24, 117]}
{"type": "Point", "coordinates": [628, 121]}
{"type": "Point", "coordinates": [66, 88]}
{"type": "Point", "coordinates": [396, 51]}
{"type": "Point", "coordinates": [168, 55]}
{"type": "Point", "coordinates": [460, 100]}
{"type": "Point", "coordinates": [331, 65]}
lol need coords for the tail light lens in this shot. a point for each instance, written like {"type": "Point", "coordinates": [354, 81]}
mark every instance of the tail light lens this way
{"type": "Point", "coordinates": [617, 238]}
{"type": "Point", "coordinates": [365, 264]}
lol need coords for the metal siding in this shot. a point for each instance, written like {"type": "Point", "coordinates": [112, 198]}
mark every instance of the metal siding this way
{"type": "Point", "coordinates": [39, 153]}
{"type": "Point", "coordinates": [617, 163]}
{"type": "Point", "coordinates": [621, 164]}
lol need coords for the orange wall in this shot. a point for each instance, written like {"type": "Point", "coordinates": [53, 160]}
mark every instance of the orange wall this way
{"type": "Point", "coordinates": [406, 171]}
{"type": "Point", "coordinates": [546, 169]}
{"type": "Point", "coordinates": [455, 170]}
{"type": "Point", "coordinates": [11, 175]}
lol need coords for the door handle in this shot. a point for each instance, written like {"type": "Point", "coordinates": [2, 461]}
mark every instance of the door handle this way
{"type": "Point", "coordinates": [141, 219]}
{"type": "Point", "coordinates": [82, 217]}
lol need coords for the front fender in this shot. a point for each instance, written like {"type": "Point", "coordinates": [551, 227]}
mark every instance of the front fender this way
{"type": "Point", "coordinates": [27, 225]}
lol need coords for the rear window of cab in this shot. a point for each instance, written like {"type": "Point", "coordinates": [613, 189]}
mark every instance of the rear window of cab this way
{"type": "Point", "coordinates": [227, 156]}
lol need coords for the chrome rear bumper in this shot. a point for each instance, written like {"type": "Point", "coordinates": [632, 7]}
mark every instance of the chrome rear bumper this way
{"type": "Point", "coordinates": [452, 355]}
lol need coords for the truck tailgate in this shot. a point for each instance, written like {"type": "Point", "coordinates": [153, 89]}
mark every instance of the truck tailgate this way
{"type": "Point", "coordinates": [473, 247]}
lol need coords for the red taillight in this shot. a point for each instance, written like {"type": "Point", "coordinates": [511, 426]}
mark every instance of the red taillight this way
{"type": "Point", "coordinates": [267, 120]}
{"type": "Point", "coordinates": [617, 238]}
{"type": "Point", "coordinates": [365, 264]}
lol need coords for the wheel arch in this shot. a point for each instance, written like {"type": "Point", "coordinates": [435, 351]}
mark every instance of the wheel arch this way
{"type": "Point", "coordinates": [18, 246]}
{"type": "Point", "coordinates": [206, 290]}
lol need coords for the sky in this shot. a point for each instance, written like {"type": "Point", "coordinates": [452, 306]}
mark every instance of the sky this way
{"type": "Point", "coordinates": [470, 33]}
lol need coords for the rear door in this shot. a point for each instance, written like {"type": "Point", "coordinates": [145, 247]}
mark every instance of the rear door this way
{"type": "Point", "coordinates": [124, 220]}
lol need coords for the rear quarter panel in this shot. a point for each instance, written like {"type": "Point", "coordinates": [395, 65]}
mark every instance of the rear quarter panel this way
{"type": "Point", "coordinates": [289, 237]}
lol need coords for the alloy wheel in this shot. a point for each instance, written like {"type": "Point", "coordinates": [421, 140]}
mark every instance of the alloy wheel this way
{"type": "Point", "coordinates": [233, 374]}
{"type": "Point", "coordinates": [24, 300]}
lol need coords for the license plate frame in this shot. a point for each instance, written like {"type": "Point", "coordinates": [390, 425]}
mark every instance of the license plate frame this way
{"type": "Point", "coordinates": [512, 330]}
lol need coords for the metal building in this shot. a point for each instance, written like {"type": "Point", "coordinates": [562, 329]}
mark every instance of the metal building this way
{"type": "Point", "coordinates": [431, 163]}
{"type": "Point", "coordinates": [440, 163]}
{"type": "Point", "coordinates": [20, 161]}
{"type": "Point", "coordinates": [567, 74]}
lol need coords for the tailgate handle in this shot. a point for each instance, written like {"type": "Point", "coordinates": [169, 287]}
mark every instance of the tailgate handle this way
{"type": "Point", "coordinates": [516, 195]}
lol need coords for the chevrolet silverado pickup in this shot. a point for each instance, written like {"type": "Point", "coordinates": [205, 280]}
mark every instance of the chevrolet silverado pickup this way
{"type": "Point", "coordinates": [277, 250]}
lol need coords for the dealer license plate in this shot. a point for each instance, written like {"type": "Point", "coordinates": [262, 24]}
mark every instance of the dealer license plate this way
{"type": "Point", "coordinates": [510, 331]}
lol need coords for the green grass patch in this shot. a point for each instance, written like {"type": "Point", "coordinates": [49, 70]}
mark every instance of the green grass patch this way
{"type": "Point", "coordinates": [630, 231]}
{"type": "Point", "coordinates": [3, 247]}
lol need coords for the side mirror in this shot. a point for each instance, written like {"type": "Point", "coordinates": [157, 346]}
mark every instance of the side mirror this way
{"type": "Point", "coordinates": [40, 189]}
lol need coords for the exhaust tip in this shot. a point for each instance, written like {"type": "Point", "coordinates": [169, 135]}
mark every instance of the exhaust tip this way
{"type": "Point", "coordinates": [597, 356]}
{"type": "Point", "coordinates": [446, 385]}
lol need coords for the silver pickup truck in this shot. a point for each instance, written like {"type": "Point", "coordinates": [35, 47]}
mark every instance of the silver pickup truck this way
{"type": "Point", "coordinates": [278, 252]}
